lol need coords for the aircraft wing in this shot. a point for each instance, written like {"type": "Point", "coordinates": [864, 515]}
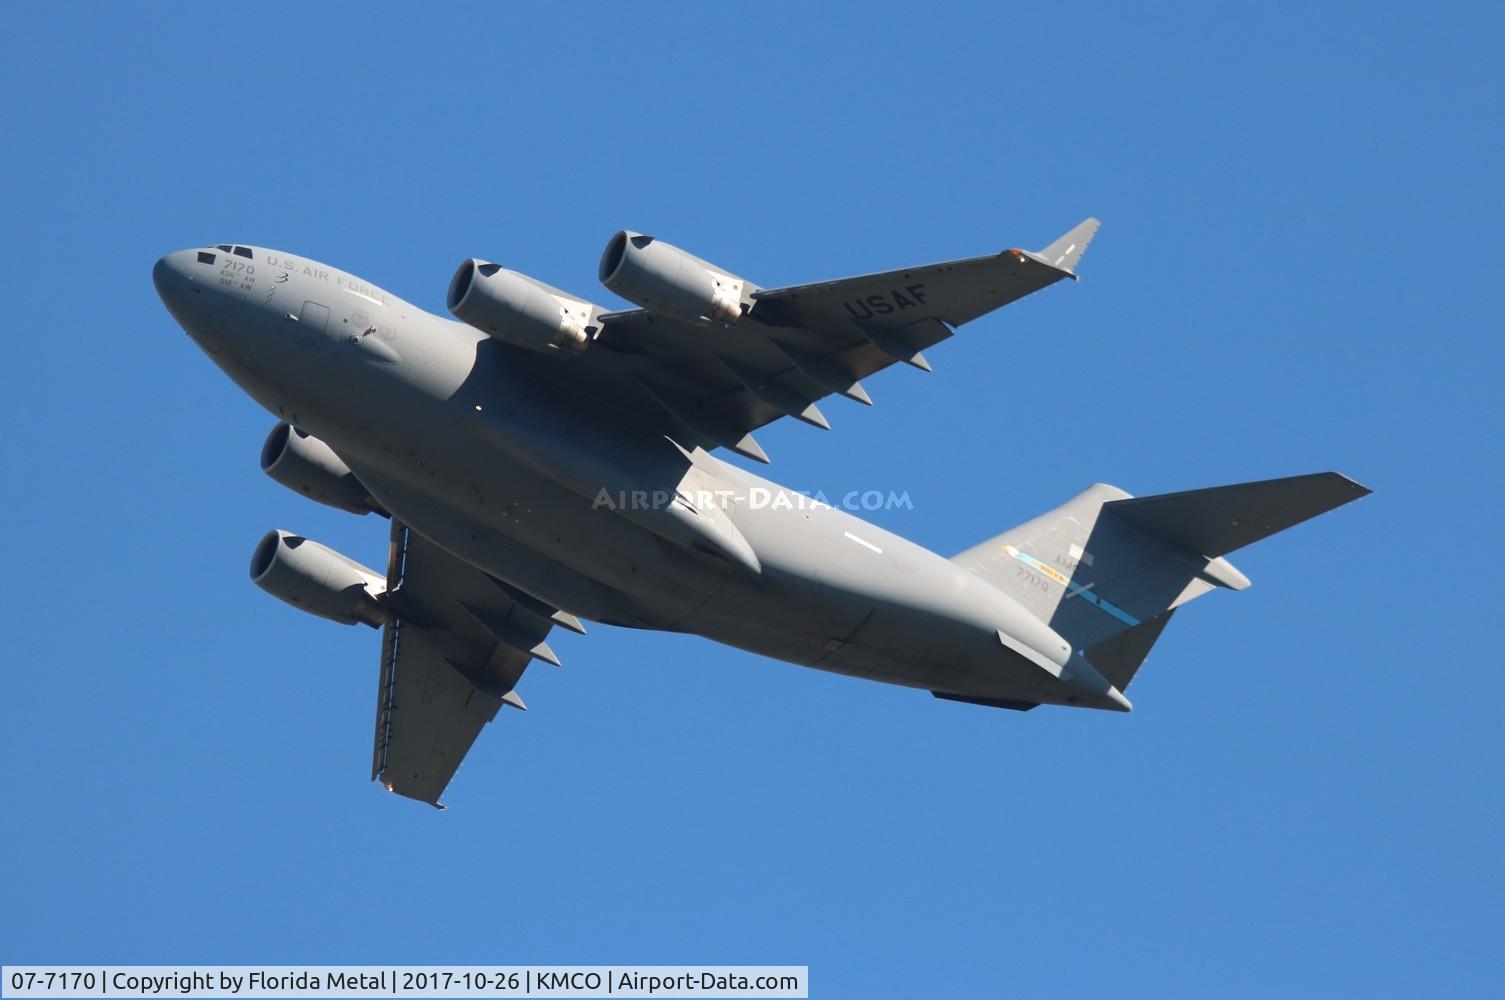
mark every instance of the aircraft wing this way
{"type": "Point", "coordinates": [714, 384]}
{"type": "Point", "coordinates": [452, 653]}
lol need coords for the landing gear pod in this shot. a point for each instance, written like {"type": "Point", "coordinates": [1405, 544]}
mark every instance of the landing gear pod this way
{"type": "Point", "coordinates": [666, 279]}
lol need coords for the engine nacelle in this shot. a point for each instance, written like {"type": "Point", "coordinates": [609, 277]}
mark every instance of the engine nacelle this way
{"type": "Point", "coordinates": [520, 310]}
{"type": "Point", "coordinates": [667, 280]}
{"type": "Point", "coordinates": [317, 579]}
{"type": "Point", "coordinates": [303, 463]}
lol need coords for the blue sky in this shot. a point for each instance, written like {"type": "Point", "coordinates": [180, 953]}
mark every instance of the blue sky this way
{"type": "Point", "coordinates": [1298, 270]}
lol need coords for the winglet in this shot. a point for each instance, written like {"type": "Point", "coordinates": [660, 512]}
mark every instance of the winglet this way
{"type": "Point", "coordinates": [1065, 252]}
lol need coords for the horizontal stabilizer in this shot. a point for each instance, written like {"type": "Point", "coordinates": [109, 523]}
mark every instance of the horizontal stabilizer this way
{"type": "Point", "coordinates": [1216, 521]}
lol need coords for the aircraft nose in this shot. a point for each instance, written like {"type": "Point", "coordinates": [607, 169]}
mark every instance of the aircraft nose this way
{"type": "Point", "coordinates": [160, 278]}
{"type": "Point", "coordinates": [174, 281]}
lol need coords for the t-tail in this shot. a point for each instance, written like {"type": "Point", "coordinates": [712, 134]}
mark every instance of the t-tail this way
{"type": "Point", "coordinates": [1106, 571]}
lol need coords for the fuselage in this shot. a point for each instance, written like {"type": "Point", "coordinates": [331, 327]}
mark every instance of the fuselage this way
{"type": "Point", "coordinates": [494, 456]}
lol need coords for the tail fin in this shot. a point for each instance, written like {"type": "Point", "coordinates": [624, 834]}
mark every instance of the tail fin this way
{"type": "Point", "coordinates": [1106, 570]}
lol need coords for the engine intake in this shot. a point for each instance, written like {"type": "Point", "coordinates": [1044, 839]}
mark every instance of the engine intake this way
{"type": "Point", "coordinates": [317, 579]}
{"type": "Point", "coordinates": [668, 280]}
{"type": "Point", "coordinates": [303, 463]}
{"type": "Point", "coordinates": [520, 310]}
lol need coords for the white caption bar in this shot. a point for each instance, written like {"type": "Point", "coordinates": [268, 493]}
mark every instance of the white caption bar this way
{"type": "Point", "coordinates": [478, 981]}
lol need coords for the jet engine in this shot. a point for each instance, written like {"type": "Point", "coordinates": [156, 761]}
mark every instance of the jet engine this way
{"type": "Point", "coordinates": [520, 310]}
{"type": "Point", "coordinates": [303, 463]}
{"type": "Point", "coordinates": [667, 280]}
{"type": "Point", "coordinates": [317, 579]}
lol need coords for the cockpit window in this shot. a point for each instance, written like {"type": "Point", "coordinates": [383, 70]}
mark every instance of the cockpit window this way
{"type": "Point", "coordinates": [242, 251]}
{"type": "Point", "coordinates": [205, 257]}
{"type": "Point", "coordinates": [225, 247]}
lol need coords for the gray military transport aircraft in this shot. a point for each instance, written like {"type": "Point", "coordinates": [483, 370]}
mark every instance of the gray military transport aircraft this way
{"type": "Point", "coordinates": [545, 460]}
